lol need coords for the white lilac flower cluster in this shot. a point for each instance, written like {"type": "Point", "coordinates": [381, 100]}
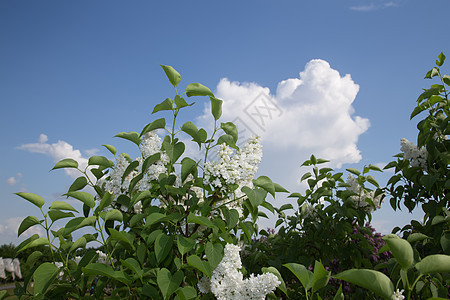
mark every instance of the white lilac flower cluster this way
{"type": "Point", "coordinates": [150, 145]}
{"type": "Point", "coordinates": [417, 157]}
{"type": "Point", "coordinates": [237, 168]}
{"type": "Point", "coordinates": [361, 195]}
{"type": "Point", "coordinates": [227, 282]}
{"type": "Point", "coordinates": [398, 295]}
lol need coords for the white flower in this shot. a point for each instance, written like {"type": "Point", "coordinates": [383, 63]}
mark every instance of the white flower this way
{"type": "Point", "coordinates": [78, 259]}
{"type": "Point", "coordinates": [101, 257]}
{"type": "Point", "coordinates": [204, 285]}
{"type": "Point", "coordinates": [227, 282]}
{"type": "Point", "coordinates": [417, 157]}
{"type": "Point", "coordinates": [398, 295]}
{"type": "Point", "coordinates": [234, 168]}
{"type": "Point", "coordinates": [115, 185]}
{"type": "Point", "coordinates": [138, 207]}
{"type": "Point", "coordinates": [362, 194]}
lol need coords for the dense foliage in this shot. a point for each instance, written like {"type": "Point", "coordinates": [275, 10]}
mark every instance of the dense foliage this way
{"type": "Point", "coordinates": [176, 225]}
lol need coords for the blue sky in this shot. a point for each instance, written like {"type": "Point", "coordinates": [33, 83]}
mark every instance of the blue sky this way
{"type": "Point", "coordinates": [75, 73]}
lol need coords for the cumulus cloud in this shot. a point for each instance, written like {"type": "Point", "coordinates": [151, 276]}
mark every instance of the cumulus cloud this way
{"type": "Point", "coordinates": [57, 151]}
{"type": "Point", "coordinates": [311, 114]}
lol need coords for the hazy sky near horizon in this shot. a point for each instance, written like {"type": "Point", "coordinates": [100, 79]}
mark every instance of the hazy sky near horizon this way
{"type": "Point", "coordinates": [335, 78]}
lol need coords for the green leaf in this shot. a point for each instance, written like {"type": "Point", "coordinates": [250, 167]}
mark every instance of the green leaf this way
{"type": "Point", "coordinates": [417, 110]}
{"type": "Point", "coordinates": [168, 283]}
{"type": "Point", "coordinates": [56, 214]}
{"type": "Point", "coordinates": [163, 245]}
{"type": "Point", "coordinates": [167, 104]}
{"type": "Point", "coordinates": [111, 149]}
{"type": "Point", "coordinates": [44, 275]}
{"type": "Point", "coordinates": [105, 270]}
{"type": "Point", "coordinates": [114, 215]}
{"type": "Point", "coordinates": [100, 161]}
{"type": "Point", "coordinates": [34, 243]}
{"type": "Point", "coordinates": [231, 217]}
{"type": "Point", "coordinates": [149, 161]}
{"type": "Point", "coordinates": [320, 277]}
{"type": "Point", "coordinates": [33, 198]}
{"type": "Point", "coordinates": [230, 129]}
{"type": "Point", "coordinates": [173, 151]}
{"type": "Point", "coordinates": [286, 206]}
{"type": "Point", "coordinates": [197, 89]}
{"type": "Point", "coordinates": [265, 183]}
{"type": "Point", "coordinates": [199, 264]}
{"type": "Point", "coordinates": [402, 251]}
{"type": "Point", "coordinates": [154, 218]}
{"type": "Point", "coordinates": [214, 253]}
{"type": "Point", "coordinates": [417, 236]}
{"type": "Point", "coordinates": [62, 205]}
{"type": "Point", "coordinates": [190, 128]}
{"type": "Point", "coordinates": [216, 107]}
{"type": "Point", "coordinates": [185, 244]}
{"type": "Point", "coordinates": [131, 136]}
{"type": "Point", "coordinates": [445, 242]}
{"type": "Point", "coordinates": [437, 263]}
{"type": "Point", "coordinates": [275, 272]}
{"type": "Point", "coordinates": [77, 223]}
{"type": "Point", "coordinates": [339, 295]}
{"type": "Point", "coordinates": [304, 275]}
{"type": "Point", "coordinates": [372, 180]}
{"type": "Point", "coordinates": [247, 229]}
{"type": "Point", "coordinates": [78, 184]}
{"type": "Point", "coordinates": [105, 202]}
{"type": "Point", "coordinates": [228, 140]}
{"type": "Point", "coordinates": [66, 163]}
{"type": "Point", "coordinates": [180, 102]}
{"type": "Point", "coordinates": [131, 167]}
{"type": "Point", "coordinates": [186, 293]}
{"type": "Point", "coordinates": [173, 76]}
{"type": "Point", "coordinates": [84, 197]}
{"type": "Point", "coordinates": [32, 258]}
{"type": "Point", "coordinates": [133, 265]}
{"type": "Point", "coordinates": [372, 280]}
{"type": "Point", "coordinates": [27, 223]}
{"type": "Point", "coordinates": [157, 124]}
{"type": "Point", "coordinates": [256, 197]}
{"type": "Point", "coordinates": [441, 60]}
{"type": "Point", "coordinates": [279, 188]}
{"type": "Point", "coordinates": [80, 243]}
{"type": "Point", "coordinates": [200, 220]}
{"type": "Point", "coordinates": [188, 166]}
{"type": "Point", "coordinates": [122, 236]}
{"type": "Point", "coordinates": [354, 171]}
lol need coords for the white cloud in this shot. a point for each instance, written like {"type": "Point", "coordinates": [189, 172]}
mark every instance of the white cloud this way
{"type": "Point", "coordinates": [11, 181]}
{"type": "Point", "coordinates": [312, 114]}
{"type": "Point", "coordinates": [90, 152]}
{"type": "Point", "coordinates": [10, 226]}
{"type": "Point", "coordinates": [368, 7]}
{"type": "Point", "coordinates": [58, 151]}
{"type": "Point", "coordinates": [376, 6]}
{"type": "Point", "coordinates": [14, 180]}
{"type": "Point", "coordinates": [43, 138]}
